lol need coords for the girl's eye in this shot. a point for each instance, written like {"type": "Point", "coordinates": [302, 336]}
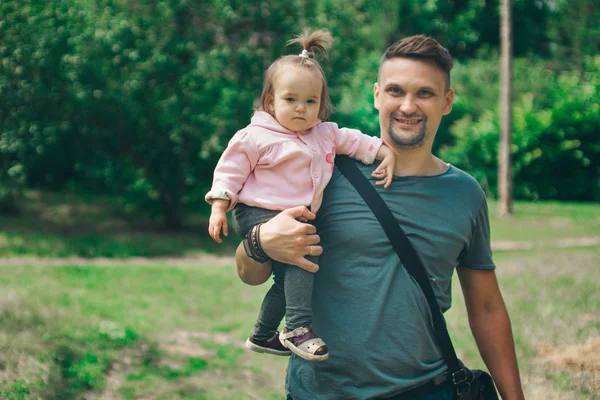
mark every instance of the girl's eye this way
{"type": "Point", "coordinates": [289, 99]}
{"type": "Point", "coordinates": [312, 101]}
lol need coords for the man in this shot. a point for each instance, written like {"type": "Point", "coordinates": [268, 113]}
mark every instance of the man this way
{"type": "Point", "coordinates": [371, 313]}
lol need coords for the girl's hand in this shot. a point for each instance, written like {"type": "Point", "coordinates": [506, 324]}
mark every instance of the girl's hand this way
{"type": "Point", "coordinates": [385, 171]}
{"type": "Point", "coordinates": [218, 220]}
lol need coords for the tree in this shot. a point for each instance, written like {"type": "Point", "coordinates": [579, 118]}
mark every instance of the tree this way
{"type": "Point", "coordinates": [504, 161]}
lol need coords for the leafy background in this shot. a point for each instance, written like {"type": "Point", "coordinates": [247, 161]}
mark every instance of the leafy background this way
{"type": "Point", "coordinates": [137, 99]}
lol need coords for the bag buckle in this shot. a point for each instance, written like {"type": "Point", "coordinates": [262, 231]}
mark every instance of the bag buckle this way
{"type": "Point", "coordinates": [459, 377]}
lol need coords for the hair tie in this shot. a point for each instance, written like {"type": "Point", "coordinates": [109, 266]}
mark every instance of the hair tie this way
{"type": "Point", "coordinates": [304, 54]}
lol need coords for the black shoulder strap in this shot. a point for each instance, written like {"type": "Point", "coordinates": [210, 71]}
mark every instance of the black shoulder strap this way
{"type": "Point", "coordinates": [408, 256]}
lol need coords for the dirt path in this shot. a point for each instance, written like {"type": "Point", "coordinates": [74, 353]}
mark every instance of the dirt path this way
{"type": "Point", "coordinates": [585, 241]}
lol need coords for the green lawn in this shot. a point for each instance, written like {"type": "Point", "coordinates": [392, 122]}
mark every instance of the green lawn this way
{"type": "Point", "coordinates": [165, 332]}
{"type": "Point", "coordinates": [169, 332]}
{"type": "Point", "coordinates": [545, 221]}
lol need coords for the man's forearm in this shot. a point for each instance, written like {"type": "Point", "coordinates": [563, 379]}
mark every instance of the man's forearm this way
{"type": "Point", "coordinates": [493, 334]}
{"type": "Point", "coordinates": [250, 271]}
{"type": "Point", "coordinates": [283, 238]}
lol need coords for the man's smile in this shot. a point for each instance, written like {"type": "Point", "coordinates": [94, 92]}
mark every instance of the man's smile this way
{"type": "Point", "coordinates": [407, 121]}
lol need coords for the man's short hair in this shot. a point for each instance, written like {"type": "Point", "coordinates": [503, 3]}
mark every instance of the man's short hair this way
{"type": "Point", "coordinates": [421, 47]}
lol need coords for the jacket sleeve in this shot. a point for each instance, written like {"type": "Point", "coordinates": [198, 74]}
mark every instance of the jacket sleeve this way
{"type": "Point", "coordinates": [235, 165]}
{"type": "Point", "coordinates": [354, 143]}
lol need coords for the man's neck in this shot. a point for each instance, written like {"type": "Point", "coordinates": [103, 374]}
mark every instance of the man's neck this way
{"type": "Point", "coordinates": [416, 162]}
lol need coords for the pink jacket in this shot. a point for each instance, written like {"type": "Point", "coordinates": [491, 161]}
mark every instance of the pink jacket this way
{"type": "Point", "coordinates": [265, 165]}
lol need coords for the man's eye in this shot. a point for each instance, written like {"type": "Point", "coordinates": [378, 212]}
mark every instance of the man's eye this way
{"type": "Point", "coordinates": [395, 90]}
{"type": "Point", "coordinates": [425, 93]}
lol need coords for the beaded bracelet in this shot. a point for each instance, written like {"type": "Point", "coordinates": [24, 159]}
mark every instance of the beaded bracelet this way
{"type": "Point", "coordinates": [252, 245]}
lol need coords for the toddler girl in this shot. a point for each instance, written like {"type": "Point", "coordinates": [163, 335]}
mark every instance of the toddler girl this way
{"type": "Point", "coordinates": [283, 159]}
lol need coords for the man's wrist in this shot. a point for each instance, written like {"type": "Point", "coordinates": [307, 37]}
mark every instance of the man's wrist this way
{"type": "Point", "coordinates": [252, 245]}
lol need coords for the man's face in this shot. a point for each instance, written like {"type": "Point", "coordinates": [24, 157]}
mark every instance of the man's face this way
{"type": "Point", "coordinates": [411, 98]}
{"type": "Point", "coordinates": [296, 98]}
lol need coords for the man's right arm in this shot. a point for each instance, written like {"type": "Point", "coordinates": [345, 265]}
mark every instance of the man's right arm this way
{"type": "Point", "coordinates": [285, 239]}
{"type": "Point", "coordinates": [251, 272]}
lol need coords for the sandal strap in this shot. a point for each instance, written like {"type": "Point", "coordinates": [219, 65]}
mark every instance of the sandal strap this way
{"type": "Point", "coordinates": [296, 332]}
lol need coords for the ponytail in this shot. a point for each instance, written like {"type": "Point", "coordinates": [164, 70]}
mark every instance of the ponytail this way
{"type": "Point", "coordinates": [318, 40]}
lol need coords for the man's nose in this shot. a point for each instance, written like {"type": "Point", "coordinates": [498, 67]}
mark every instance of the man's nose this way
{"type": "Point", "coordinates": [408, 105]}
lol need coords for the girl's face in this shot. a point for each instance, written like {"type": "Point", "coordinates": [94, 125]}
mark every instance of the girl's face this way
{"type": "Point", "coordinates": [296, 98]}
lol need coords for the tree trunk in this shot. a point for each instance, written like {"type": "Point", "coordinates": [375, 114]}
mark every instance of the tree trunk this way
{"type": "Point", "coordinates": [171, 210]}
{"type": "Point", "coordinates": [505, 192]}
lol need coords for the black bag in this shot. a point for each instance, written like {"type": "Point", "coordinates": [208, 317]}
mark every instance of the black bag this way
{"type": "Point", "coordinates": [481, 387]}
{"type": "Point", "coordinates": [469, 384]}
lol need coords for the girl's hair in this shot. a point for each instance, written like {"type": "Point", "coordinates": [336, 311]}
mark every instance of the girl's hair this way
{"type": "Point", "coordinates": [310, 41]}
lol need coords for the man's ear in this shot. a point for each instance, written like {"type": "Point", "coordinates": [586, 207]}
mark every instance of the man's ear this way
{"type": "Point", "coordinates": [376, 95]}
{"type": "Point", "coordinates": [448, 99]}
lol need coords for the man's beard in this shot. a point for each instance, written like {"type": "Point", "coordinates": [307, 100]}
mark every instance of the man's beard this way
{"type": "Point", "coordinates": [417, 140]}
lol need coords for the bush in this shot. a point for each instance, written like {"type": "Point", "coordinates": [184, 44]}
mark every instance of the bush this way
{"type": "Point", "coordinates": [555, 147]}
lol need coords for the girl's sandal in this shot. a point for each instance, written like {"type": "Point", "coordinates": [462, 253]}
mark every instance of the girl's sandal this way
{"type": "Point", "coordinates": [269, 346]}
{"type": "Point", "coordinates": [305, 344]}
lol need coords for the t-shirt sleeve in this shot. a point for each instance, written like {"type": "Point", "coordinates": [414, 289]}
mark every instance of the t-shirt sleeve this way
{"type": "Point", "coordinates": [478, 253]}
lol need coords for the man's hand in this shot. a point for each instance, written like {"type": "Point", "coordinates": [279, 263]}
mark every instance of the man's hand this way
{"type": "Point", "coordinates": [284, 239]}
{"type": "Point", "coordinates": [218, 220]}
{"type": "Point", "coordinates": [288, 240]}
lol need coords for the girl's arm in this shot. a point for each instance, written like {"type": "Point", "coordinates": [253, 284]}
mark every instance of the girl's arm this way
{"type": "Point", "coordinates": [385, 170]}
{"type": "Point", "coordinates": [218, 220]}
{"type": "Point", "coordinates": [236, 163]}
{"type": "Point", "coordinates": [365, 148]}
{"type": "Point", "coordinates": [354, 143]}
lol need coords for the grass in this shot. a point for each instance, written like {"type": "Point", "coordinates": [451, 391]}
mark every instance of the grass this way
{"type": "Point", "coordinates": [69, 225]}
{"type": "Point", "coordinates": [170, 333]}
{"type": "Point", "coordinates": [546, 221]}
{"type": "Point", "coordinates": [163, 331]}
{"type": "Point", "coordinates": [553, 298]}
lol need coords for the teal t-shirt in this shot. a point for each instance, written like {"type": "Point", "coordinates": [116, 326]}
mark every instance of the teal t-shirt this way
{"type": "Point", "coordinates": [368, 309]}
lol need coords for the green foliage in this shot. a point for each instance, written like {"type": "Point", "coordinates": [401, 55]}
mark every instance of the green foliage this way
{"type": "Point", "coordinates": [139, 99]}
{"type": "Point", "coordinates": [574, 31]}
{"type": "Point", "coordinates": [555, 149]}
{"type": "Point", "coordinates": [36, 134]}
{"type": "Point", "coordinates": [18, 391]}
{"type": "Point", "coordinates": [467, 27]}
{"type": "Point", "coordinates": [82, 370]}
